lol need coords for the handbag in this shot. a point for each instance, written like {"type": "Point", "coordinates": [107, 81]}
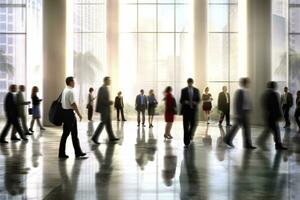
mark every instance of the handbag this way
{"type": "Point", "coordinates": [174, 107]}
{"type": "Point", "coordinates": [30, 111]}
{"type": "Point", "coordinates": [56, 112]}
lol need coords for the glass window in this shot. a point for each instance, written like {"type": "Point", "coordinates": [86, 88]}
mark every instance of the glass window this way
{"type": "Point", "coordinates": [295, 20]}
{"type": "Point", "coordinates": [147, 18]}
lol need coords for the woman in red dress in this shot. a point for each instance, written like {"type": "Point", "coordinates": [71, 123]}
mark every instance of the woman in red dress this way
{"type": "Point", "coordinates": [170, 111]}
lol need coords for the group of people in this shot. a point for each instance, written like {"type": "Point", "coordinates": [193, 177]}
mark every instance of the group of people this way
{"type": "Point", "coordinates": [15, 112]}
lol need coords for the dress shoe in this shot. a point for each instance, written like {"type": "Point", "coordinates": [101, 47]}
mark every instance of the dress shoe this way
{"type": "Point", "coordinates": [96, 142]}
{"type": "Point", "coordinates": [228, 125]}
{"type": "Point", "coordinates": [114, 139]}
{"type": "Point", "coordinates": [30, 130]}
{"type": "Point", "coordinates": [280, 147]}
{"type": "Point", "coordinates": [250, 147]}
{"type": "Point", "coordinates": [28, 133]}
{"type": "Point", "coordinates": [63, 156]}
{"type": "Point", "coordinates": [24, 139]}
{"type": "Point", "coordinates": [15, 139]}
{"type": "Point", "coordinates": [3, 141]}
{"type": "Point", "coordinates": [80, 155]}
{"type": "Point", "coordinates": [228, 143]}
{"type": "Point", "coordinates": [186, 146]}
{"type": "Point", "coordinates": [124, 120]}
{"type": "Point", "coordinates": [43, 129]}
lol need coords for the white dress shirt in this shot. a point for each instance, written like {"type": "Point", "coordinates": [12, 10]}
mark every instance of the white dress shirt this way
{"type": "Point", "coordinates": [67, 98]}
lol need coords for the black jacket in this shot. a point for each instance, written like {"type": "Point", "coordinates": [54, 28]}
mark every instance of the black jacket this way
{"type": "Point", "coordinates": [10, 106]}
{"type": "Point", "coordinates": [289, 99]}
{"type": "Point", "coordinates": [222, 102]}
{"type": "Point", "coordinates": [119, 102]}
{"type": "Point", "coordinates": [185, 97]}
{"type": "Point", "coordinates": [271, 105]}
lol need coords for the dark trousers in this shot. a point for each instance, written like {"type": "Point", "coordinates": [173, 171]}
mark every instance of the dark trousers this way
{"type": "Point", "coordinates": [189, 125]}
{"type": "Point", "coordinates": [139, 112]}
{"type": "Point", "coordinates": [69, 126]}
{"type": "Point", "coordinates": [297, 115]}
{"type": "Point", "coordinates": [90, 112]}
{"type": "Point", "coordinates": [286, 114]}
{"type": "Point", "coordinates": [225, 114]}
{"type": "Point", "coordinates": [242, 121]}
{"type": "Point", "coordinates": [105, 121]}
{"type": "Point", "coordinates": [120, 110]}
{"type": "Point", "coordinates": [11, 121]}
{"type": "Point", "coordinates": [271, 126]}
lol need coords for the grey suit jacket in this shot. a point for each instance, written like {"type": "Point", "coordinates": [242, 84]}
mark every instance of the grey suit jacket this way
{"type": "Point", "coordinates": [21, 103]}
{"type": "Point", "coordinates": [103, 102]}
{"type": "Point", "coordinates": [138, 104]}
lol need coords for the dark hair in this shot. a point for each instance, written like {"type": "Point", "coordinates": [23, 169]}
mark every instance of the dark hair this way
{"type": "Point", "coordinates": [286, 88]}
{"type": "Point", "coordinates": [34, 90]}
{"type": "Point", "coordinates": [119, 92]}
{"type": "Point", "coordinates": [141, 90]}
{"type": "Point", "coordinates": [69, 80]}
{"type": "Point", "coordinates": [168, 89]}
{"type": "Point", "coordinates": [106, 78]}
{"type": "Point", "coordinates": [272, 85]}
{"type": "Point", "coordinates": [91, 89]}
{"type": "Point", "coordinates": [244, 81]}
{"type": "Point", "coordinates": [21, 87]}
{"type": "Point", "coordinates": [12, 87]}
{"type": "Point", "coordinates": [190, 80]}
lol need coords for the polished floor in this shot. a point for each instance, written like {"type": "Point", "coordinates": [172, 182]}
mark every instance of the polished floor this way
{"type": "Point", "coordinates": [142, 166]}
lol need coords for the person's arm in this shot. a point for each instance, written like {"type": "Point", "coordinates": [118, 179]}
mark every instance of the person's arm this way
{"type": "Point", "coordinates": [197, 99]}
{"type": "Point", "coordinates": [219, 101]}
{"type": "Point", "coordinates": [75, 108]}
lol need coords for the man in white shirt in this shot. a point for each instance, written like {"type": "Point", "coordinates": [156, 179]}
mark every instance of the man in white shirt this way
{"type": "Point", "coordinates": [70, 123]}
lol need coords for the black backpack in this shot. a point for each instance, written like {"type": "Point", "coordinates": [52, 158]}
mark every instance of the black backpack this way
{"type": "Point", "coordinates": [56, 112]}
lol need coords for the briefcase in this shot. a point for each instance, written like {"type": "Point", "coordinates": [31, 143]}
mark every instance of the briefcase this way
{"type": "Point", "coordinates": [56, 112]}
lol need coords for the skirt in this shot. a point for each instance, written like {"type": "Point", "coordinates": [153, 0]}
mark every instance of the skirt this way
{"type": "Point", "coordinates": [36, 111]}
{"type": "Point", "coordinates": [169, 117]}
{"type": "Point", "coordinates": [151, 110]}
{"type": "Point", "coordinates": [207, 106]}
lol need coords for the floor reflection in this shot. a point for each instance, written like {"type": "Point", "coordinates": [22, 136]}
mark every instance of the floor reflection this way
{"type": "Point", "coordinates": [170, 164]}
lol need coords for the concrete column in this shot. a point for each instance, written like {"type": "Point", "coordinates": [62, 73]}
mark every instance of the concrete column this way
{"type": "Point", "coordinates": [200, 42]}
{"type": "Point", "coordinates": [259, 51]}
{"type": "Point", "coordinates": [112, 42]}
{"type": "Point", "coordinates": [54, 52]}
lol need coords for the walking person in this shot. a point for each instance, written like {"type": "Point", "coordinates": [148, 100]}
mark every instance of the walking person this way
{"type": "Point", "coordinates": [224, 106]}
{"type": "Point", "coordinates": [152, 104]}
{"type": "Point", "coordinates": [242, 103]}
{"type": "Point", "coordinates": [11, 112]}
{"type": "Point", "coordinates": [297, 111]}
{"type": "Point", "coordinates": [170, 111]}
{"type": "Point", "coordinates": [140, 107]}
{"type": "Point", "coordinates": [103, 106]}
{"type": "Point", "coordinates": [189, 100]}
{"type": "Point", "coordinates": [90, 104]}
{"type": "Point", "coordinates": [207, 99]}
{"type": "Point", "coordinates": [272, 116]}
{"type": "Point", "coordinates": [287, 103]}
{"type": "Point", "coordinates": [69, 120]}
{"type": "Point", "coordinates": [36, 113]}
{"type": "Point", "coordinates": [21, 103]}
{"type": "Point", "coordinates": [119, 106]}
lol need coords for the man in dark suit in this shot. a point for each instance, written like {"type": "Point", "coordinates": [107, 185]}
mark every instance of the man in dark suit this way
{"type": "Point", "coordinates": [224, 106]}
{"type": "Point", "coordinates": [272, 115]}
{"type": "Point", "coordinates": [287, 103]}
{"type": "Point", "coordinates": [242, 105]}
{"type": "Point", "coordinates": [141, 106]}
{"type": "Point", "coordinates": [103, 104]}
{"type": "Point", "coordinates": [12, 115]}
{"type": "Point", "coordinates": [119, 106]}
{"type": "Point", "coordinates": [189, 100]}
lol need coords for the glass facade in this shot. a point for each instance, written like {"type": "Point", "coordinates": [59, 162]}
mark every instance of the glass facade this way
{"type": "Point", "coordinates": [155, 46]}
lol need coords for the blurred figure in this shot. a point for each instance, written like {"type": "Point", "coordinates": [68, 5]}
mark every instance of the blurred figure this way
{"type": "Point", "coordinates": [170, 111]}
{"type": "Point", "coordinates": [170, 164]}
{"type": "Point", "coordinates": [297, 111]}
{"type": "Point", "coordinates": [272, 115]}
{"type": "Point", "coordinates": [119, 106]}
{"type": "Point", "coordinates": [206, 107]}
{"type": "Point", "coordinates": [90, 104]}
{"type": "Point", "coordinates": [36, 112]}
{"type": "Point", "coordinates": [140, 107]}
{"type": "Point", "coordinates": [242, 103]}
{"type": "Point", "coordinates": [141, 156]}
{"type": "Point", "coordinates": [103, 107]}
{"type": "Point", "coordinates": [189, 100]}
{"type": "Point", "coordinates": [69, 120]}
{"type": "Point", "coordinates": [152, 104]}
{"type": "Point", "coordinates": [286, 103]}
{"type": "Point", "coordinates": [224, 106]}
{"type": "Point", "coordinates": [22, 113]}
{"type": "Point", "coordinates": [151, 145]}
{"type": "Point", "coordinates": [11, 112]}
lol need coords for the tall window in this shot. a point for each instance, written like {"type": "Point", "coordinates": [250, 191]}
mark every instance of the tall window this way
{"type": "Point", "coordinates": [89, 45]}
{"type": "Point", "coordinates": [155, 48]}
{"type": "Point", "coordinates": [222, 64]}
{"type": "Point", "coordinates": [294, 45]}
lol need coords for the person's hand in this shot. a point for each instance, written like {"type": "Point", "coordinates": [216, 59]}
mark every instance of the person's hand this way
{"type": "Point", "coordinates": [187, 102]}
{"type": "Point", "coordinates": [111, 102]}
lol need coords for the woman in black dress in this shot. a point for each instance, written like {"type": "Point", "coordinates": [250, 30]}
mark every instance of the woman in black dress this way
{"type": "Point", "coordinates": [36, 113]}
{"type": "Point", "coordinates": [207, 99]}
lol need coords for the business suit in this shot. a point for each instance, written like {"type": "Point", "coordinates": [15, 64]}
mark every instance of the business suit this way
{"type": "Point", "coordinates": [189, 100]}
{"type": "Point", "coordinates": [224, 107]}
{"type": "Point", "coordinates": [287, 103]}
{"type": "Point", "coordinates": [90, 106]}
{"type": "Point", "coordinates": [119, 106]}
{"type": "Point", "coordinates": [242, 108]}
{"type": "Point", "coordinates": [272, 114]}
{"type": "Point", "coordinates": [103, 104]}
{"type": "Point", "coordinates": [141, 106]}
{"type": "Point", "coordinates": [12, 114]}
